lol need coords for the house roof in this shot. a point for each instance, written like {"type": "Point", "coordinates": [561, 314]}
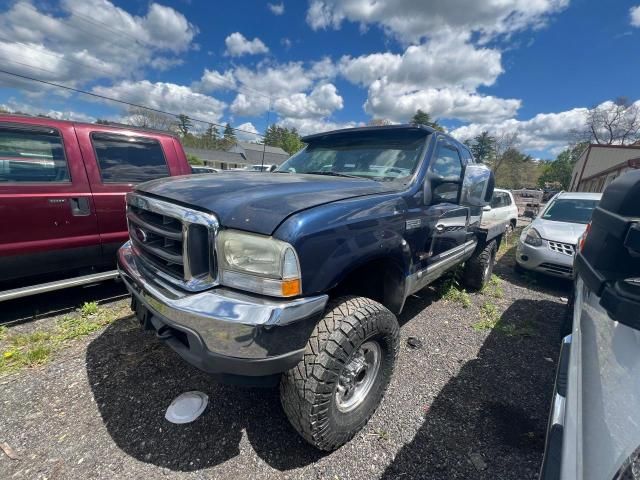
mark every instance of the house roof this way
{"type": "Point", "coordinates": [259, 147]}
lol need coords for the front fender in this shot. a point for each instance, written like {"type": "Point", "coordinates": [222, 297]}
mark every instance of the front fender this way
{"type": "Point", "coordinates": [333, 240]}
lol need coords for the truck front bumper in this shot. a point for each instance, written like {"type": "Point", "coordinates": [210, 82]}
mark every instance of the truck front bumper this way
{"type": "Point", "coordinates": [222, 331]}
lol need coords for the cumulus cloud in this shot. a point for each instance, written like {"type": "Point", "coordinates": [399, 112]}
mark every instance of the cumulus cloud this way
{"type": "Point", "coordinates": [92, 39]}
{"type": "Point", "coordinates": [238, 45]}
{"type": "Point", "coordinates": [634, 12]}
{"type": "Point", "coordinates": [545, 131]}
{"type": "Point", "coordinates": [166, 96]}
{"type": "Point", "coordinates": [386, 101]}
{"type": "Point", "coordinates": [321, 102]}
{"type": "Point", "coordinates": [247, 132]}
{"type": "Point", "coordinates": [212, 80]}
{"type": "Point", "coordinates": [443, 62]}
{"type": "Point", "coordinates": [292, 90]}
{"type": "Point", "coordinates": [13, 106]}
{"type": "Point", "coordinates": [413, 20]}
{"type": "Point", "coordinates": [309, 126]}
{"type": "Point", "coordinates": [276, 8]}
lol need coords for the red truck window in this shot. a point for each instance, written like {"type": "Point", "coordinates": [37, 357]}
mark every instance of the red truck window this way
{"type": "Point", "coordinates": [32, 155]}
{"type": "Point", "coordinates": [125, 159]}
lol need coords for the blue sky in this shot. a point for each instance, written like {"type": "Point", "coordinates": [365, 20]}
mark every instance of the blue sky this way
{"type": "Point", "coordinates": [507, 66]}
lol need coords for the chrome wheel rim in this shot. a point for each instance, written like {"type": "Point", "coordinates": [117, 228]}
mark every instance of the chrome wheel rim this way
{"type": "Point", "coordinates": [358, 376]}
{"type": "Point", "coordinates": [487, 269]}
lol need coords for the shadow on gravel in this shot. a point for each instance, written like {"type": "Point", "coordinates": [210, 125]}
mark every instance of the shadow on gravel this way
{"type": "Point", "coordinates": [496, 407]}
{"type": "Point", "coordinates": [134, 378]}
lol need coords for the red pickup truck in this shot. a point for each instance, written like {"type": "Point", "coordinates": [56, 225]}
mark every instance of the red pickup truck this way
{"type": "Point", "coordinates": [62, 192]}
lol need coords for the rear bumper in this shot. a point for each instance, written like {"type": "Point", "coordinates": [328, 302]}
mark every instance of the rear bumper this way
{"type": "Point", "coordinates": [221, 331]}
{"type": "Point", "coordinates": [544, 260]}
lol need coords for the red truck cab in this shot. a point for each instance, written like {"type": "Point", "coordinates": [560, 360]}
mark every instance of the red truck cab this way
{"type": "Point", "coordinates": [62, 192]}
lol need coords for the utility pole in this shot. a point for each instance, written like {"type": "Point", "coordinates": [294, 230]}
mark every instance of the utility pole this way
{"type": "Point", "coordinates": [264, 142]}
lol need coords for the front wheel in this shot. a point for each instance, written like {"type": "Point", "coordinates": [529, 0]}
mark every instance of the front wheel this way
{"type": "Point", "coordinates": [478, 269]}
{"type": "Point", "coordinates": [347, 365]}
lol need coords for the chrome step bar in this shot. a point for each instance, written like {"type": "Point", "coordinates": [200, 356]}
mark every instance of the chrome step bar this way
{"type": "Point", "coordinates": [57, 285]}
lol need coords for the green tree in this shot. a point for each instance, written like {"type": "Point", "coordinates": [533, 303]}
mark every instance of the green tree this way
{"type": "Point", "coordinates": [287, 139]}
{"type": "Point", "coordinates": [211, 136]}
{"type": "Point", "coordinates": [558, 172]}
{"type": "Point", "coordinates": [228, 138]}
{"type": "Point", "coordinates": [194, 160]}
{"type": "Point", "coordinates": [184, 124]}
{"type": "Point", "coordinates": [423, 118]}
{"type": "Point", "coordinates": [483, 147]}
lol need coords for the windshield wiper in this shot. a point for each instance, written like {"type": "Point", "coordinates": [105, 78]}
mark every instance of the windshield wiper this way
{"type": "Point", "coordinates": [331, 174]}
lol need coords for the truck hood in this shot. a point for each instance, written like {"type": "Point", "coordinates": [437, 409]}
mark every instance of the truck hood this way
{"type": "Point", "coordinates": [564, 232]}
{"type": "Point", "coordinates": [259, 202]}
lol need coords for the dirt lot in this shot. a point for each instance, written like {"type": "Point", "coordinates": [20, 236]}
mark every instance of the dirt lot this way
{"type": "Point", "coordinates": [472, 402]}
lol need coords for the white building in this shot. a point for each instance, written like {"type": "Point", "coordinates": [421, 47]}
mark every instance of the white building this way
{"type": "Point", "coordinates": [599, 165]}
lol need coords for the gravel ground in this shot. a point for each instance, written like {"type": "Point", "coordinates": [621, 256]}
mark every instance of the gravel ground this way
{"type": "Point", "coordinates": [467, 404]}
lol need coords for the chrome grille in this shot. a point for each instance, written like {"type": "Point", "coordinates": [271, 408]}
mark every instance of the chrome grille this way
{"type": "Point", "coordinates": [174, 240]}
{"type": "Point", "coordinates": [560, 247]}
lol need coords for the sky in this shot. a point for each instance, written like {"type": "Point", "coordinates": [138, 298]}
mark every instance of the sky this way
{"type": "Point", "coordinates": [531, 67]}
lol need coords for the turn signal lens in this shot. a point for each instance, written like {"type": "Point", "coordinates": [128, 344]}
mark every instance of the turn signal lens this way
{"type": "Point", "coordinates": [291, 288]}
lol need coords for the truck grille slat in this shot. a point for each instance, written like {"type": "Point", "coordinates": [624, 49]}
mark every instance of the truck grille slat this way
{"type": "Point", "coordinates": [176, 240]}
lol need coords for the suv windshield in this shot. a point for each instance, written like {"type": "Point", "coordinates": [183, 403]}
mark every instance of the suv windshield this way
{"type": "Point", "coordinates": [391, 155]}
{"type": "Point", "coordinates": [570, 210]}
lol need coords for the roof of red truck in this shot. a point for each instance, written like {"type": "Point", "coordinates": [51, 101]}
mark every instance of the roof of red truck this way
{"type": "Point", "coordinates": [116, 127]}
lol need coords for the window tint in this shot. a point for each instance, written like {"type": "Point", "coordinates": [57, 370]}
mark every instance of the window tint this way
{"type": "Point", "coordinates": [447, 163]}
{"type": "Point", "coordinates": [446, 192]}
{"type": "Point", "coordinates": [507, 199]}
{"type": "Point", "coordinates": [496, 200]}
{"type": "Point", "coordinates": [32, 156]}
{"type": "Point", "coordinates": [124, 159]}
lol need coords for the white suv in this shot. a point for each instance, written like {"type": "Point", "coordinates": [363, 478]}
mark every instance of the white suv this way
{"type": "Point", "coordinates": [503, 208]}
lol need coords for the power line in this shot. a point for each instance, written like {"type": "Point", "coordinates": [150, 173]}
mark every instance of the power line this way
{"type": "Point", "coordinates": [104, 97]}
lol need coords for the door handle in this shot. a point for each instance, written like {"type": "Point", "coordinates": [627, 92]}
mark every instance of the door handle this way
{"type": "Point", "coordinates": [80, 206]}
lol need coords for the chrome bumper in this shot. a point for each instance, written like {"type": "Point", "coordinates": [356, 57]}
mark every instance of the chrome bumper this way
{"type": "Point", "coordinates": [228, 323]}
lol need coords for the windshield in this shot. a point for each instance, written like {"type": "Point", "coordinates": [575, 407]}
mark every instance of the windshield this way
{"type": "Point", "coordinates": [570, 210]}
{"type": "Point", "coordinates": [391, 155]}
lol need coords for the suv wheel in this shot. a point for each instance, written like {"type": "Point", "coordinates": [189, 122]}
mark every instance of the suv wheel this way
{"type": "Point", "coordinates": [478, 269]}
{"type": "Point", "coordinates": [348, 362]}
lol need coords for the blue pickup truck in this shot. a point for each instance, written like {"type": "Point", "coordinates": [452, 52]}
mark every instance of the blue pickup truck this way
{"type": "Point", "coordinates": [295, 277]}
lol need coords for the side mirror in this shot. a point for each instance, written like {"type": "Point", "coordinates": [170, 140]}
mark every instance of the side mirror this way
{"type": "Point", "coordinates": [477, 186]}
{"type": "Point", "coordinates": [486, 208]}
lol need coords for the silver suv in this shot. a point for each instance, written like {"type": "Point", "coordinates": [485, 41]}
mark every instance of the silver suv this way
{"type": "Point", "coordinates": [594, 425]}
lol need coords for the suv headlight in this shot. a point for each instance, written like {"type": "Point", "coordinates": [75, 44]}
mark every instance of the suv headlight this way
{"type": "Point", "coordinates": [533, 238]}
{"type": "Point", "coordinates": [258, 264]}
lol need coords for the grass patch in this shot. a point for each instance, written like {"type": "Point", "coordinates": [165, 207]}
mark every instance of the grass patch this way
{"type": "Point", "coordinates": [489, 317]}
{"type": "Point", "coordinates": [37, 347]}
{"type": "Point", "coordinates": [89, 308]}
{"type": "Point", "coordinates": [493, 287]}
{"type": "Point", "coordinates": [452, 291]}
{"type": "Point", "coordinates": [490, 320]}
{"type": "Point", "coordinates": [3, 332]}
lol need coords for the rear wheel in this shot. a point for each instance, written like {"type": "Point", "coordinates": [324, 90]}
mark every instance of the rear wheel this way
{"type": "Point", "coordinates": [478, 269]}
{"type": "Point", "coordinates": [348, 362]}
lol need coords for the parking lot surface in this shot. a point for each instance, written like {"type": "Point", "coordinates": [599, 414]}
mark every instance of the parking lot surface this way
{"type": "Point", "coordinates": [470, 399]}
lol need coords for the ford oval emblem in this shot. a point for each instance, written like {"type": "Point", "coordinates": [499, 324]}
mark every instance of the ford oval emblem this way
{"type": "Point", "coordinates": [141, 234]}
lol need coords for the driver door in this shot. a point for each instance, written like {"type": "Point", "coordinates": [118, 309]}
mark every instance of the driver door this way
{"type": "Point", "coordinates": [444, 231]}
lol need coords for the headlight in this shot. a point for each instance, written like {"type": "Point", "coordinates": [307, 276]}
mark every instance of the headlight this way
{"type": "Point", "coordinates": [258, 264]}
{"type": "Point", "coordinates": [533, 238]}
